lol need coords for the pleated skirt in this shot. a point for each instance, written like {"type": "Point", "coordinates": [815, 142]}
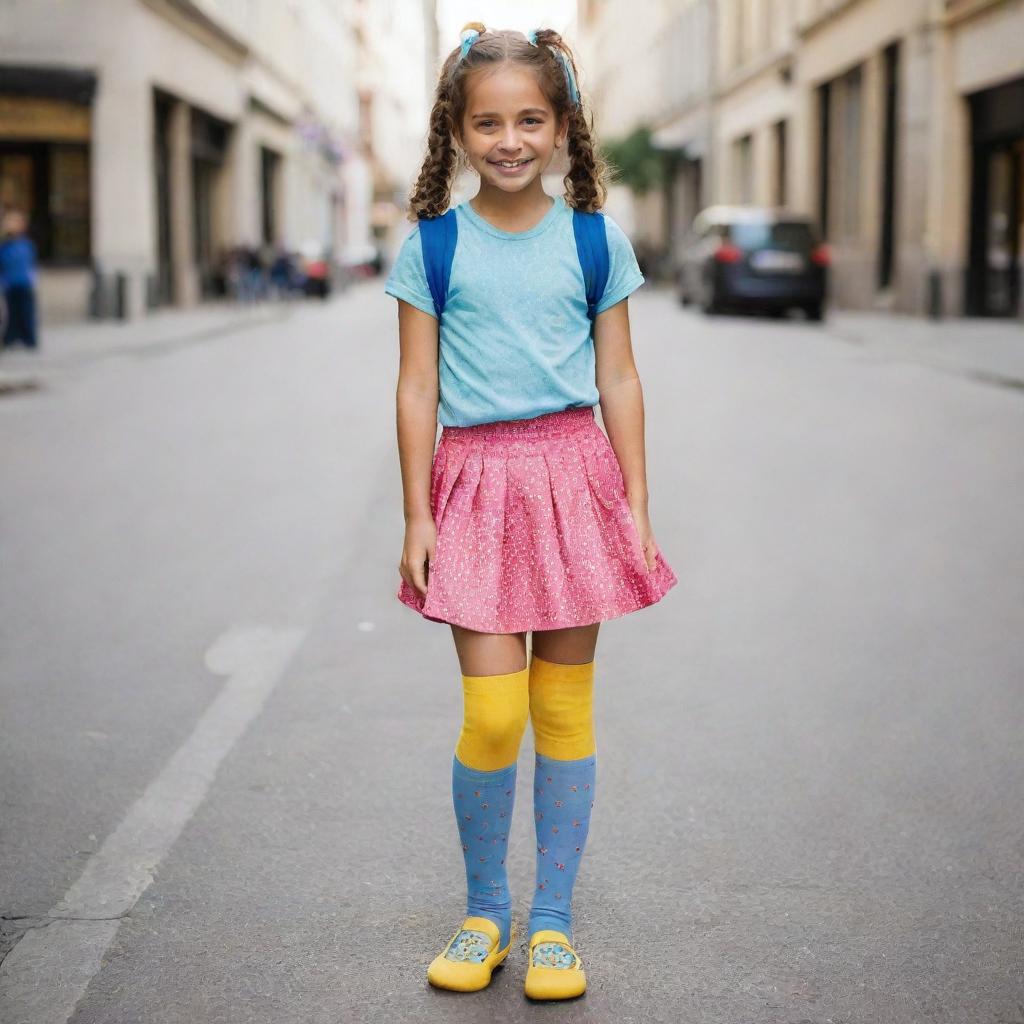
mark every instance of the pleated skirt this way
{"type": "Point", "coordinates": [534, 530]}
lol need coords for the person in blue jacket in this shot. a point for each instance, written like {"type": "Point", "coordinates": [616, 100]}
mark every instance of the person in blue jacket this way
{"type": "Point", "coordinates": [18, 279]}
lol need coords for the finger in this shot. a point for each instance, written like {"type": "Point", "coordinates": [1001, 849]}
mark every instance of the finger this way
{"type": "Point", "coordinates": [409, 581]}
{"type": "Point", "coordinates": [419, 577]}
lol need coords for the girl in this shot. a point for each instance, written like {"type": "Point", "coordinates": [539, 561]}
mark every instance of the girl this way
{"type": "Point", "coordinates": [528, 518]}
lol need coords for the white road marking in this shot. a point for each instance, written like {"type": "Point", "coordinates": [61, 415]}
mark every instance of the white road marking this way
{"type": "Point", "coordinates": [48, 971]}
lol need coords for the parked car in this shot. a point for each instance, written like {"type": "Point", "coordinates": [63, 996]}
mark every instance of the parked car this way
{"type": "Point", "coordinates": [756, 258]}
{"type": "Point", "coordinates": [363, 261]}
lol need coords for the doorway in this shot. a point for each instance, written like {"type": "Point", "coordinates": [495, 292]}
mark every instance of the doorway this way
{"type": "Point", "coordinates": [997, 202]}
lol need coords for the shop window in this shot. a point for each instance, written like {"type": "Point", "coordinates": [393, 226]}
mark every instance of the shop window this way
{"type": "Point", "coordinates": [49, 182]}
{"type": "Point", "coordinates": [69, 204]}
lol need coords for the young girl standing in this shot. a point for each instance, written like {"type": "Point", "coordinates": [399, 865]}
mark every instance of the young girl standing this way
{"type": "Point", "coordinates": [528, 518]}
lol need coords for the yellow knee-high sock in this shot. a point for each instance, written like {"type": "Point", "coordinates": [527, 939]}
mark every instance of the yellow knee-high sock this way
{"type": "Point", "coordinates": [495, 710]}
{"type": "Point", "coordinates": [562, 709]}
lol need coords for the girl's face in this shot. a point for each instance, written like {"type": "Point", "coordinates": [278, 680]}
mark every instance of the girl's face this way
{"type": "Point", "coordinates": [508, 120]}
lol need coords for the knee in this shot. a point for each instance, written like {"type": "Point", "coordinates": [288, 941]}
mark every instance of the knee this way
{"type": "Point", "coordinates": [494, 720]}
{"type": "Point", "coordinates": [562, 709]}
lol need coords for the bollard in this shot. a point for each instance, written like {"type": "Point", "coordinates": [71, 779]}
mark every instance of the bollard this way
{"type": "Point", "coordinates": [96, 294]}
{"type": "Point", "coordinates": [934, 295]}
{"type": "Point", "coordinates": [121, 295]}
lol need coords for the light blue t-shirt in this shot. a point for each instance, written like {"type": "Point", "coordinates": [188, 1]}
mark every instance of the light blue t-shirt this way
{"type": "Point", "coordinates": [515, 337]}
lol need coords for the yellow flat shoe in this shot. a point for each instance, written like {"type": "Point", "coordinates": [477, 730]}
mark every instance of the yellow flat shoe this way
{"type": "Point", "coordinates": [555, 970]}
{"type": "Point", "coordinates": [466, 963]}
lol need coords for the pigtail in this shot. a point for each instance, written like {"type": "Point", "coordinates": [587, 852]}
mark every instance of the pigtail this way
{"type": "Point", "coordinates": [586, 184]}
{"type": "Point", "coordinates": [432, 192]}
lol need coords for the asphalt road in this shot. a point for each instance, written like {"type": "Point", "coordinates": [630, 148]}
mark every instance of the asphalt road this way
{"type": "Point", "coordinates": [225, 745]}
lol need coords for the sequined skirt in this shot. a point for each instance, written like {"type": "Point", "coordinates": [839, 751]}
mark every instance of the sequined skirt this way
{"type": "Point", "coordinates": [534, 530]}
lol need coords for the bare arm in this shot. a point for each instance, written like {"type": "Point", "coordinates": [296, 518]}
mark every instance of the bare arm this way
{"type": "Point", "coordinates": [622, 409]}
{"type": "Point", "coordinates": [416, 401]}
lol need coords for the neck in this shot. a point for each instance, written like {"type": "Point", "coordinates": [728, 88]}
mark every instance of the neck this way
{"type": "Point", "coordinates": [512, 208]}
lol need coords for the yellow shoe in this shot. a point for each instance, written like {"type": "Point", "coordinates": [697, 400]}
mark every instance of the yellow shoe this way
{"type": "Point", "coordinates": [555, 970]}
{"type": "Point", "coordinates": [466, 963]}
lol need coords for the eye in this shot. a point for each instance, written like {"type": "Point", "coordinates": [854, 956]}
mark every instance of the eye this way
{"type": "Point", "coordinates": [533, 119]}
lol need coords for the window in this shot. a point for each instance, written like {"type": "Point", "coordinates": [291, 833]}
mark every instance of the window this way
{"type": "Point", "coordinates": [744, 179]}
{"type": "Point", "coordinates": [780, 163]}
{"type": "Point", "coordinates": [49, 182]}
{"type": "Point", "coordinates": [840, 149]}
{"type": "Point", "coordinates": [849, 160]}
{"type": "Point", "coordinates": [789, 236]}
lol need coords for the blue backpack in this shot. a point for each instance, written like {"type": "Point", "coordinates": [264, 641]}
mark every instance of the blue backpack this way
{"type": "Point", "coordinates": [438, 236]}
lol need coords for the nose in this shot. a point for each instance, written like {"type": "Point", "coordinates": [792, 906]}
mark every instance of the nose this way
{"type": "Point", "coordinates": [509, 140]}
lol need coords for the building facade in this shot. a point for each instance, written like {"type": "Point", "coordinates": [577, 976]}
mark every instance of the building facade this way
{"type": "Point", "coordinates": [397, 77]}
{"type": "Point", "coordinates": [977, 159]}
{"type": "Point", "coordinates": [650, 62]}
{"type": "Point", "coordinates": [146, 138]}
{"type": "Point", "coordinates": [898, 127]}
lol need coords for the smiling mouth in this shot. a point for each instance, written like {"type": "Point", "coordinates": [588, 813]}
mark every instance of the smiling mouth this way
{"type": "Point", "coordinates": [510, 163]}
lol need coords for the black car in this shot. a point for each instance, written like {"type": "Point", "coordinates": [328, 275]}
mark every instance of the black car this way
{"type": "Point", "coordinates": [749, 257]}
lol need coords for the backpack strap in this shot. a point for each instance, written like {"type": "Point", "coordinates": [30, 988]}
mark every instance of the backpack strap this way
{"type": "Point", "coordinates": [438, 236]}
{"type": "Point", "coordinates": [592, 248]}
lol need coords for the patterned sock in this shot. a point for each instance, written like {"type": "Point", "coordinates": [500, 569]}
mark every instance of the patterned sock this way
{"type": "Point", "coordinates": [483, 803]}
{"type": "Point", "coordinates": [563, 795]}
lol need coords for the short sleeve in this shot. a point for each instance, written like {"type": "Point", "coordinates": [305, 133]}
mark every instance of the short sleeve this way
{"type": "Point", "coordinates": [408, 280]}
{"type": "Point", "coordinates": [624, 275]}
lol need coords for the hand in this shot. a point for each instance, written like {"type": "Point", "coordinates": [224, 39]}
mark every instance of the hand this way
{"type": "Point", "coordinates": [643, 527]}
{"type": "Point", "coordinates": [418, 553]}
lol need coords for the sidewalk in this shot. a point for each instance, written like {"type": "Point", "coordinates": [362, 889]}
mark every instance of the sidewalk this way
{"type": "Point", "coordinates": [991, 351]}
{"type": "Point", "coordinates": [65, 346]}
{"type": "Point", "coordinates": [68, 346]}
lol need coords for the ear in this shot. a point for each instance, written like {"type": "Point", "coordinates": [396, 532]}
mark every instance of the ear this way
{"type": "Point", "coordinates": [563, 131]}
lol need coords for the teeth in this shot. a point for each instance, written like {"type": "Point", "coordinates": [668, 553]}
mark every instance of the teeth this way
{"type": "Point", "coordinates": [511, 163]}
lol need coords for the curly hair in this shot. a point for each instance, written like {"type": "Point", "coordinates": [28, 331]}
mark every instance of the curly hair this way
{"type": "Point", "coordinates": [586, 183]}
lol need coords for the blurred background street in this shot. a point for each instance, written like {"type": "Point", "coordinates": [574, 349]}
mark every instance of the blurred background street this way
{"type": "Point", "coordinates": [225, 746]}
{"type": "Point", "coordinates": [828, 709]}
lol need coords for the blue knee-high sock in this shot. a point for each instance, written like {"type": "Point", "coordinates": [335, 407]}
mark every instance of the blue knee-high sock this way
{"type": "Point", "coordinates": [563, 794]}
{"type": "Point", "coordinates": [483, 808]}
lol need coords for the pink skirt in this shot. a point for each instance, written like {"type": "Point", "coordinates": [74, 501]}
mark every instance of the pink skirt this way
{"type": "Point", "coordinates": [534, 530]}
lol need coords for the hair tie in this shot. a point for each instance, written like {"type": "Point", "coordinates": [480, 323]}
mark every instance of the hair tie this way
{"type": "Point", "coordinates": [570, 78]}
{"type": "Point", "coordinates": [468, 36]}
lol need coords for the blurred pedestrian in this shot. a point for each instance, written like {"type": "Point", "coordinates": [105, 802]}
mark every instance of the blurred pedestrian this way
{"type": "Point", "coordinates": [256, 275]}
{"type": "Point", "coordinates": [18, 279]}
{"type": "Point", "coordinates": [282, 275]}
{"type": "Point", "coordinates": [527, 518]}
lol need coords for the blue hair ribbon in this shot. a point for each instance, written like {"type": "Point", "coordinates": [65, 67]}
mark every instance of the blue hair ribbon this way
{"type": "Point", "coordinates": [570, 78]}
{"type": "Point", "coordinates": [468, 37]}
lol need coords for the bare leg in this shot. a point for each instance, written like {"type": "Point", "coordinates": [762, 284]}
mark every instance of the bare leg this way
{"type": "Point", "coordinates": [489, 654]}
{"type": "Point", "coordinates": [566, 646]}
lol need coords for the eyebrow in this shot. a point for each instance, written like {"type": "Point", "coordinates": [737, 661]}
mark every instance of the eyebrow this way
{"type": "Point", "coordinates": [528, 110]}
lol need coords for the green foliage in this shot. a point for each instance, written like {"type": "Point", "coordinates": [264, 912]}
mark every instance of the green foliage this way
{"type": "Point", "coordinates": [636, 161]}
